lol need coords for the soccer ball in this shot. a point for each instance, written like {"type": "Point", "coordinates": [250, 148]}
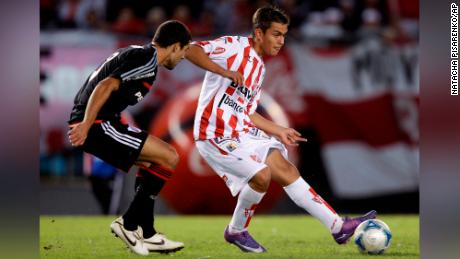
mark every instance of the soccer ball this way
{"type": "Point", "coordinates": [372, 236]}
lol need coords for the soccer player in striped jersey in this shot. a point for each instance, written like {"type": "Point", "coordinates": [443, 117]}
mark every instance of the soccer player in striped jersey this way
{"type": "Point", "coordinates": [124, 79]}
{"type": "Point", "coordinates": [245, 149]}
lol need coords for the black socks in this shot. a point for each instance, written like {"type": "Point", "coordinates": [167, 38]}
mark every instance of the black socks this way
{"type": "Point", "coordinates": [140, 211]}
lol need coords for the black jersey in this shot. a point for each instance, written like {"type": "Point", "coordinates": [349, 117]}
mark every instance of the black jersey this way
{"type": "Point", "coordinates": [135, 66]}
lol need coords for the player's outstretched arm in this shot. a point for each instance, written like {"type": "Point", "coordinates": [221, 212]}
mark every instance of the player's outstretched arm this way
{"type": "Point", "coordinates": [79, 131]}
{"type": "Point", "coordinates": [287, 136]}
{"type": "Point", "coordinates": [197, 56]}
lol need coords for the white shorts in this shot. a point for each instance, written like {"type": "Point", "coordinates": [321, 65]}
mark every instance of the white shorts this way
{"type": "Point", "coordinates": [237, 160]}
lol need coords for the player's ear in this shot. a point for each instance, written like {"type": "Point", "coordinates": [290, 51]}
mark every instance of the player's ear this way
{"type": "Point", "coordinates": [258, 33]}
{"type": "Point", "coordinates": [177, 47]}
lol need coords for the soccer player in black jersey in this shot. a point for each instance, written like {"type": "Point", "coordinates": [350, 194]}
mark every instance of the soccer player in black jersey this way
{"type": "Point", "coordinates": [122, 80]}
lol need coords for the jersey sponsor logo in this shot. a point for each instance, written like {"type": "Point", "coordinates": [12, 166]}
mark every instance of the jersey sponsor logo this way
{"type": "Point", "coordinates": [139, 96]}
{"type": "Point", "coordinates": [243, 91]}
{"type": "Point", "coordinates": [141, 76]}
{"type": "Point", "coordinates": [230, 102]}
{"type": "Point", "coordinates": [218, 50]}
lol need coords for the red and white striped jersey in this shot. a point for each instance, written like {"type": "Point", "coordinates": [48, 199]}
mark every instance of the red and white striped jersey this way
{"type": "Point", "coordinates": [223, 107]}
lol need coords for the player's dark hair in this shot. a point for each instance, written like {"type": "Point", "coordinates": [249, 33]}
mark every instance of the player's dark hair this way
{"type": "Point", "coordinates": [171, 32]}
{"type": "Point", "coordinates": [264, 16]}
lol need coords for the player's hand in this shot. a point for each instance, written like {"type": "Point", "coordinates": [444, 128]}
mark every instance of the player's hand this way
{"type": "Point", "coordinates": [290, 137]}
{"type": "Point", "coordinates": [236, 77]}
{"type": "Point", "coordinates": [78, 133]}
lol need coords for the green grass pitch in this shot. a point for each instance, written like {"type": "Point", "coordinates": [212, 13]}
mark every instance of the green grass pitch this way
{"type": "Point", "coordinates": [284, 237]}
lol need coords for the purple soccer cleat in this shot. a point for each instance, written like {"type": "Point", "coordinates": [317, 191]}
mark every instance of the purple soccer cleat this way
{"type": "Point", "coordinates": [349, 226]}
{"type": "Point", "coordinates": [244, 241]}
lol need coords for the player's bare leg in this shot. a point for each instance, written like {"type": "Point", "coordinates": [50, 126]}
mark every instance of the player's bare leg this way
{"type": "Point", "coordinates": [157, 151]}
{"type": "Point", "coordinates": [287, 175]}
{"type": "Point", "coordinates": [252, 193]}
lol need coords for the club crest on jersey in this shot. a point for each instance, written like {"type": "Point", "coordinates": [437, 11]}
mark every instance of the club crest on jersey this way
{"type": "Point", "coordinates": [231, 146]}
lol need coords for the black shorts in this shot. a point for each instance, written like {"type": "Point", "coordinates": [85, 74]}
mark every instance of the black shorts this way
{"type": "Point", "coordinates": [116, 143]}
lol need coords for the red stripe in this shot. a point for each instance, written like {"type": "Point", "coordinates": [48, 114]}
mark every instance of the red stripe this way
{"type": "Point", "coordinates": [316, 196]}
{"type": "Point", "coordinates": [163, 170]}
{"type": "Point", "coordinates": [249, 79]}
{"type": "Point", "coordinates": [258, 75]}
{"type": "Point", "coordinates": [252, 209]}
{"type": "Point", "coordinates": [158, 174]}
{"type": "Point", "coordinates": [157, 169]}
{"type": "Point", "coordinates": [229, 39]}
{"type": "Point", "coordinates": [201, 43]}
{"type": "Point", "coordinates": [230, 90]}
{"type": "Point", "coordinates": [248, 107]}
{"type": "Point", "coordinates": [218, 148]}
{"type": "Point", "coordinates": [220, 124]}
{"type": "Point", "coordinates": [247, 123]}
{"type": "Point", "coordinates": [204, 122]}
{"type": "Point", "coordinates": [245, 60]}
{"type": "Point", "coordinates": [251, 41]}
{"type": "Point", "coordinates": [147, 85]}
{"type": "Point", "coordinates": [232, 123]}
{"type": "Point", "coordinates": [230, 61]}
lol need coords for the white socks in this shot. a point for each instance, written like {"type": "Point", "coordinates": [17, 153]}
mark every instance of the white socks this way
{"type": "Point", "coordinates": [305, 197]}
{"type": "Point", "coordinates": [247, 203]}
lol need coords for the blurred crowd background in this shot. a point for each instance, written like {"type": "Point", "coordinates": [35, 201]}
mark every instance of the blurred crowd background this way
{"type": "Point", "coordinates": [347, 79]}
{"type": "Point", "coordinates": [345, 21]}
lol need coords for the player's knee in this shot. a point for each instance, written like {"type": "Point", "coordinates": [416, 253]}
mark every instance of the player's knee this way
{"type": "Point", "coordinates": [143, 164]}
{"type": "Point", "coordinates": [285, 168]}
{"type": "Point", "coordinates": [261, 180]}
{"type": "Point", "coordinates": [292, 170]}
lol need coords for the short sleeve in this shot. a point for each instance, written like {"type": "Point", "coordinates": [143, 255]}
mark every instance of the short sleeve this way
{"type": "Point", "coordinates": [222, 47]}
{"type": "Point", "coordinates": [134, 64]}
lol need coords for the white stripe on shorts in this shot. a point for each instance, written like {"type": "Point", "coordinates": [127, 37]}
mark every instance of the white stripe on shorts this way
{"type": "Point", "coordinates": [109, 132]}
{"type": "Point", "coordinates": [122, 135]}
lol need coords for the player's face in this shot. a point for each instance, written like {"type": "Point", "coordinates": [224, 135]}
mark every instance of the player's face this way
{"type": "Point", "coordinates": [177, 55]}
{"type": "Point", "coordinates": [273, 38]}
